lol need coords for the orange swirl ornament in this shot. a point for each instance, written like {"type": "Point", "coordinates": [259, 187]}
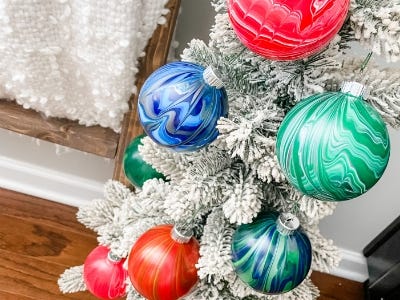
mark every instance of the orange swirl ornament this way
{"type": "Point", "coordinates": [162, 263]}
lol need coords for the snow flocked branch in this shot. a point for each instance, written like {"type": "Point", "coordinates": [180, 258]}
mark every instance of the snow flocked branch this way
{"type": "Point", "coordinates": [376, 24]}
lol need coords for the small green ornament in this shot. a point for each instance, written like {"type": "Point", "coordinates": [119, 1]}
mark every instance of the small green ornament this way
{"type": "Point", "coordinates": [135, 168]}
{"type": "Point", "coordinates": [333, 146]}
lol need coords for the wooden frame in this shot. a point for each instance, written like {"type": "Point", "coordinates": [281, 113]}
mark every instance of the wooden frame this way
{"type": "Point", "coordinates": [95, 139]}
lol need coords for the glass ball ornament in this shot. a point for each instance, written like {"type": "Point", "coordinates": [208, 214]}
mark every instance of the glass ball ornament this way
{"type": "Point", "coordinates": [287, 29]}
{"type": "Point", "coordinates": [333, 146]}
{"type": "Point", "coordinates": [162, 263]}
{"type": "Point", "coordinates": [272, 255]}
{"type": "Point", "coordinates": [104, 274]}
{"type": "Point", "coordinates": [135, 168]}
{"type": "Point", "coordinates": [179, 106]}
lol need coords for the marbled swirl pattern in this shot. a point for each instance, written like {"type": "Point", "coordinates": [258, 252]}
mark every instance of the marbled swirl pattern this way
{"type": "Point", "coordinates": [268, 261]}
{"type": "Point", "coordinates": [161, 268]}
{"type": "Point", "coordinates": [287, 29]}
{"type": "Point", "coordinates": [333, 146]}
{"type": "Point", "coordinates": [178, 109]}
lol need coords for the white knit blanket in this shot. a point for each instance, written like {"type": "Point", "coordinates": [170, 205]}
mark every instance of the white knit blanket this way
{"type": "Point", "coordinates": [74, 58]}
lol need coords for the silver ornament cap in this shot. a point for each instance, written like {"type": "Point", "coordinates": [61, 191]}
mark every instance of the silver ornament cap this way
{"type": "Point", "coordinates": [354, 88]}
{"type": "Point", "coordinates": [113, 258]}
{"type": "Point", "coordinates": [180, 235]}
{"type": "Point", "coordinates": [287, 223]}
{"type": "Point", "coordinates": [211, 78]}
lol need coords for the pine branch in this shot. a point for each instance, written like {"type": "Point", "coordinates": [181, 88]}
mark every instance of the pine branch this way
{"type": "Point", "coordinates": [268, 170]}
{"type": "Point", "coordinates": [203, 186]}
{"type": "Point", "coordinates": [211, 292]}
{"type": "Point", "coordinates": [198, 52]}
{"type": "Point", "coordinates": [306, 77]}
{"type": "Point", "coordinates": [252, 139]}
{"type": "Point", "coordinates": [233, 69]}
{"type": "Point", "coordinates": [215, 249]}
{"type": "Point", "coordinates": [382, 84]}
{"type": "Point", "coordinates": [101, 212]}
{"type": "Point", "coordinates": [116, 193]}
{"type": "Point", "coordinates": [137, 214]}
{"type": "Point", "coordinates": [325, 255]}
{"type": "Point", "coordinates": [131, 293]}
{"type": "Point", "coordinates": [96, 214]}
{"type": "Point", "coordinates": [219, 5]}
{"type": "Point", "coordinates": [242, 202]}
{"type": "Point", "coordinates": [242, 291]}
{"type": "Point", "coordinates": [223, 38]}
{"type": "Point", "coordinates": [376, 24]}
{"type": "Point", "coordinates": [312, 210]}
{"type": "Point", "coordinates": [171, 164]}
{"type": "Point", "coordinates": [71, 281]}
{"type": "Point", "coordinates": [149, 201]}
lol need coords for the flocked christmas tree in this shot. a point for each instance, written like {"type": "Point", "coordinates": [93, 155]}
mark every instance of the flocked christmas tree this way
{"type": "Point", "coordinates": [244, 195]}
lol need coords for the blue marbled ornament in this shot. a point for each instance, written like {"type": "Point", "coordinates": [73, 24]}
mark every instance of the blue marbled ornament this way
{"type": "Point", "coordinates": [270, 258]}
{"type": "Point", "coordinates": [179, 109]}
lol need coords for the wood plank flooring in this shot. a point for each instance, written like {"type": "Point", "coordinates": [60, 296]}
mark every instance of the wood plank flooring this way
{"type": "Point", "coordinates": [336, 288]}
{"type": "Point", "coordinates": [39, 239]}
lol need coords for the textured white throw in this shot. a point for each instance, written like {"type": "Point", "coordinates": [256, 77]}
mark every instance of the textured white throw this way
{"type": "Point", "coordinates": [74, 58]}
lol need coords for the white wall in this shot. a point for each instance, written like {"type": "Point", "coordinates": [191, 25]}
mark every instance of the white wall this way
{"type": "Point", "coordinates": [352, 226]}
{"type": "Point", "coordinates": [48, 155]}
{"type": "Point", "coordinates": [52, 172]}
{"type": "Point", "coordinates": [194, 22]}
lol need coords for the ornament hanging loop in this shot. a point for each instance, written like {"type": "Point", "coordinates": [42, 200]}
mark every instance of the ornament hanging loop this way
{"type": "Point", "coordinates": [365, 62]}
{"type": "Point", "coordinates": [359, 91]}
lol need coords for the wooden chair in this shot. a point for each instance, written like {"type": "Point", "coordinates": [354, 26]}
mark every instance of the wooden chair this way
{"type": "Point", "coordinates": [95, 139]}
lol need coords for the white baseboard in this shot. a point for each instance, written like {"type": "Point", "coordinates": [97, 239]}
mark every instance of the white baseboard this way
{"type": "Point", "coordinates": [46, 183]}
{"type": "Point", "coordinates": [74, 190]}
{"type": "Point", "coordinates": [353, 266]}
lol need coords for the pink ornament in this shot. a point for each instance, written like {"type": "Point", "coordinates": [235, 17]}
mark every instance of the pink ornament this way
{"type": "Point", "coordinates": [104, 275]}
{"type": "Point", "coordinates": [287, 29]}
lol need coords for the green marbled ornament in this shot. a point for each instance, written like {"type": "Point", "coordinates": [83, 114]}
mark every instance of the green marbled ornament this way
{"type": "Point", "coordinates": [271, 256]}
{"type": "Point", "coordinates": [135, 168]}
{"type": "Point", "coordinates": [333, 146]}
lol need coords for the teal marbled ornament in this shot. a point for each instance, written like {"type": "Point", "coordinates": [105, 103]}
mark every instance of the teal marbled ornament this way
{"type": "Point", "coordinates": [333, 146]}
{"type": "Point", "coordinates": [272, 255]}
{"type": "Point", "coordinates": [135, 168]}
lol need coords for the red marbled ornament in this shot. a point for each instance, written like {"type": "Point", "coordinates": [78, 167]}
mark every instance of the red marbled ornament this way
{"type": "Point", "coordinates": [104, 277]}
{"type": "Point", "coordinates": [287, 29]}
{"type": "Point", "coordinates": [161, 268]}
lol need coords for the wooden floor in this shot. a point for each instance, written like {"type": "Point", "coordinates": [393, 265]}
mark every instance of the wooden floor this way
{"type": "Point", "coordinates": [39, 239]}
